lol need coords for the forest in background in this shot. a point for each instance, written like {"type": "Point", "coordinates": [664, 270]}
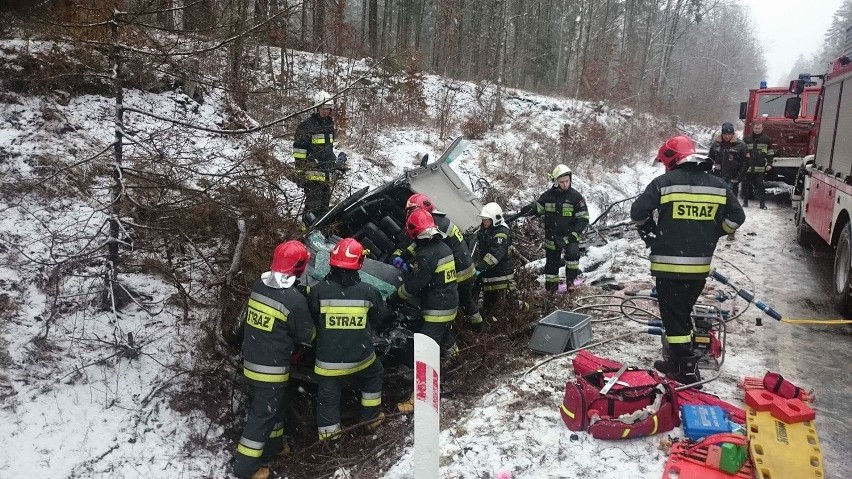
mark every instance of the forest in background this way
{"type": "Point", "coordinates": [833, 46]}
{"type": "Point", "coordinates": [660, 56]}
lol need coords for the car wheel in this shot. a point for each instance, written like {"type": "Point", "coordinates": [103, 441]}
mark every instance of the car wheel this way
{"type": "Point", "coordinates": [843, 271]}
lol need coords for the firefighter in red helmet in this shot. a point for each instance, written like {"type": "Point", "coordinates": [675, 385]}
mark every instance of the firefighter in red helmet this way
{"type": "Point", "coordinates": [454, 238]}
{"type": "Point", "coordinates": [694, 210]}
{"type": "Point", "coordinates": [432, 280]}
{"type": "Point", "coordinates": [276, 318]}
{"type": "Point", "coordinates": [346, 312]}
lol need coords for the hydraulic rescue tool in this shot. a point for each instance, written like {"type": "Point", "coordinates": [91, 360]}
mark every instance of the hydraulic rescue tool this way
{"type": "Point", "coordinates": [746, 295]}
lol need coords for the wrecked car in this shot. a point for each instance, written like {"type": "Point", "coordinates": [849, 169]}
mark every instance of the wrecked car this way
{"type": "Point", "coordinates": [376, 218]}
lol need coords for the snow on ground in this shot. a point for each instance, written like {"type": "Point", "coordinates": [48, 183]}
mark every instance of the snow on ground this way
{"type": "Point", "coordinates": [517, 426]}
{"type": "Point", "coordinates": [83, 407]}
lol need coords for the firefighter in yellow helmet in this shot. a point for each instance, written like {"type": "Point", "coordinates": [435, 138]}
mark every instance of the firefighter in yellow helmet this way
{"type": "Point", "coordinates": [565, 216]}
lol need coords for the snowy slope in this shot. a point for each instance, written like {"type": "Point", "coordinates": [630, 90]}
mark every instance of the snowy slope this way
{"type": "Point", "coordinates": [88, 401]}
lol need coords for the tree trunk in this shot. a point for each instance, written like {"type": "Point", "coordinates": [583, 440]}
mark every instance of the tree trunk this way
{"type": "Point", "coordinates": [235, 79]}
{"type": "Point", "coordinates": [111, 274]}
{"type": "Point", "coordinates": [319, 25]}
{"type": "Point", "coordinates": [373, 22]}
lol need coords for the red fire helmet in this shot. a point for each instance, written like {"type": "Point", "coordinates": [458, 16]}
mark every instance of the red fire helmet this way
{"type": "Point", "coordinates": [418, 221]}
{"type": "Point", "coordinates": [675, 150]}
{"type": "Point", "coordinates": [419, 200]}
{"type": "Point", "coordinates": [290, 258]}
{"type": "Point", "coordinates": [348, 253]}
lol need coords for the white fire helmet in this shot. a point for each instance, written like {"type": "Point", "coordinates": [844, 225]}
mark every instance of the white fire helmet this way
{"type": "Point", "coordinates": [558, 172]}
{"type": "Point", "coordinates": [322, 99]}
{"type": "Point", "coordinates": [493, 212]}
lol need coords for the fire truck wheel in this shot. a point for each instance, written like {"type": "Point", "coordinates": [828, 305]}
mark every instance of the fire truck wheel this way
{"type": "Point", "coordinates": [843, 271]}
{"type": "Point", "coordinates": [805, 236]}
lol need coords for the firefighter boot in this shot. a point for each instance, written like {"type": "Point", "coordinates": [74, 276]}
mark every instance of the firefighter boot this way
{"type": "Point", "coordinates": [476, 321]}
{"type": "Point", "coordinates": [407, 405]}
{"type": "Point", "coordinates": [375, 423]}
{"type": "Point", "coordinates": [762, 205]}
{"type": "Point", "coordinates": [666, 366]}
{"type": "Point", "coordinates": [687, 372]}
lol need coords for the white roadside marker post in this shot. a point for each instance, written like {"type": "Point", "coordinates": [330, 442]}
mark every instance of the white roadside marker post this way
{"type": "Point", "coordinates": [427, 407]}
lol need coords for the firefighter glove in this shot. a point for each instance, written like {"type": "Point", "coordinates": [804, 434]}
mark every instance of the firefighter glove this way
{"type": "Point", "coordinates": [648, 238]}
{"type": "Point", "coordinates": [394, 300]}
{"type": "Point", "coordinates": [400, 263]}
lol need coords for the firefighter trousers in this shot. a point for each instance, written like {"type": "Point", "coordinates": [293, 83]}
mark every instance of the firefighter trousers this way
{"type": "Point", "coordinates": [263, 435]}
{"type": "Point", "coordinates": [553, 251]}
{"type": "Point", "coordinates": [330, 388]}
{"type": "Point", "coordinates": [441, 333]}
{"type": "Point", "coordinates": [317, 197]}
{"type": "Point", "coordinates": [676, 298]}
{"type": "Point", "coordinates": [753, 181]}
{"type": "Point", "coordinates": [467, 301]}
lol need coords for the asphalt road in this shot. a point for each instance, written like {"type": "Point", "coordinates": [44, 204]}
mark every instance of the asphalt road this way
{"type": "Point", "coordinates": [797, 281]}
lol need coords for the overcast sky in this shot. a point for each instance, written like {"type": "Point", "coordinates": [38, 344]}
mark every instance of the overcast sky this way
{"type": "Point", "coordinates": [788, 28]}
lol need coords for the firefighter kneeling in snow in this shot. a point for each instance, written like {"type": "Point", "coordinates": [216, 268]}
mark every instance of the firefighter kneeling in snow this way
{"type": "Point", "coordinates": [346, 311]}
{"type": "Point", "coordinates": [277, 316]}
{"type": "Point", "coordinates": [695, 210]}
{"type": "Point", "coordinates": [565, 218]}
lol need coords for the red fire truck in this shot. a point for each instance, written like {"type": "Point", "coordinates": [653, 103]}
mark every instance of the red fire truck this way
{"type": "Point", "coordinates": [791, 137]}
{"type": "Point", "coordinates": [826, 195]}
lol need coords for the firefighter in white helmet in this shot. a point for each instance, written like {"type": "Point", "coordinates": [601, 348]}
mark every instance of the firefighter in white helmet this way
{"type": "Point", "coordinates": [494, 265]}
{"type": "Point", "coordinates": [565, 215]}
{"type": "Point", "coordinates": [313, 156]}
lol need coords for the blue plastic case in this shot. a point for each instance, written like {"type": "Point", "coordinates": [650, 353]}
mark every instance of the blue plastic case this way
{"type": "Point", "coordinates": [702, 421]}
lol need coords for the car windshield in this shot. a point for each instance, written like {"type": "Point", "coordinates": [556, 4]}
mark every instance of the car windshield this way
{"type": "Point", "coordinates": [382, 276]}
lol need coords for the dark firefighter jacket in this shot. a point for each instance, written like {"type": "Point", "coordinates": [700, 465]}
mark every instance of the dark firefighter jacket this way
{"type": "Point", "coordinates": [454, 239]}
{"type": "Point", "coordinates": [729, 158]}
{"type": "Point", "coordinates": [432, 279]}
{"type": "Point", "coordinates": [275, 320]}
{"type": "Point", "coordinates": [759, 152]}
{"type": "Point", "coordinates": [695, 209]}
{"type": "Point", "coordinates": [565, 214]}
{"type": "Point", "coordinates": [345, 311]}
{"type": "Point", "coordinates": [313, 148]}
{"type": "Point", "coordinates": [493, 258]}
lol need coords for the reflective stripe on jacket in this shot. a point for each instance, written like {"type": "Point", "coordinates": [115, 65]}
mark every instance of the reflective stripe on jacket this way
{"type": "Point", "coordinates": [275, 319]}
{"type": "Point", "coordinates": [564, 213]}
{"type": "Point", "coordinates": [455, 240]}
{"type": "Point", "coordinates": [760, 152]}
{"type": "Point", "coordinates": [432, 279]}
{"type": "Point", "coordinates": [345, 317]}
{"type": "Point", "coordinates": [313, 148]}
{"type": "Point", "coordinates": [493, 258]}
{"type": "Point", "coordinates": [695, 209]}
